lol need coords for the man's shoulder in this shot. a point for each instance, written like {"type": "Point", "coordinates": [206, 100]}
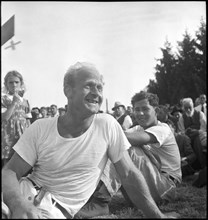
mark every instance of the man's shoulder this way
{"type": "Point", "coordinates": [161, 124]}
{"type": "Point", "coordinates": [160, 127]}
{"type": "Point", "coordinates": [104, 117]}
{"type": "Point", "coordinates": [44, 122]}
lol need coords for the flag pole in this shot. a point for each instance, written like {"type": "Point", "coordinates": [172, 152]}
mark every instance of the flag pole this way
{"type": "Point", "coordinates": [106, 102]}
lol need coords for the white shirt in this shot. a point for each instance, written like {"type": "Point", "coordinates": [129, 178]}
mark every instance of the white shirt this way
{"type": "Point", "coordinates": [199, 108]}
{"type": "Point", "coordinates": [127, 123]}
{"type": "Point", "coordinates": [166, 148]}
{"type": "Point", "coordinates": [70, 168]}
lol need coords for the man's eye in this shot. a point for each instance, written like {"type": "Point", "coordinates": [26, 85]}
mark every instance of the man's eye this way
{"type": "Point", "coordinates": [100, 88]}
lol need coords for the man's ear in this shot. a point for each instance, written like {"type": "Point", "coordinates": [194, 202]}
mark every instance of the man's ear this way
{"type": "Point", "coordinates": [67, 91]}
{"type": "Point", "coordinates": [157, 109]}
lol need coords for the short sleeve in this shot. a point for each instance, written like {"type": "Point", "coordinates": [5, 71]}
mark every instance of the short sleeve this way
{"type": "Point", "coordinates": [118, 142]}
{"type": "Point", "coordinates": [4, 103]}
{"type": "Point", "coordinates": [27, 145]}
{"type": "Point", "coordinates": [160, 131]}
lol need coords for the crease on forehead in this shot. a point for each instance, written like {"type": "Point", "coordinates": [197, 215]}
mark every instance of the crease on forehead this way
{"type": "Point", "coordinates": [89, 72]}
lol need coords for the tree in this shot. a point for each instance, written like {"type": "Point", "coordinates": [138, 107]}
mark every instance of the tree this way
{"type": "Point", "coordinates": [187, 59]}
{"type": "Point", "coordinates": [165, 75]}
{"type": "Point", "coordinates": [182, 74]}
{"type": "Point", "coordinates": [200, 46]}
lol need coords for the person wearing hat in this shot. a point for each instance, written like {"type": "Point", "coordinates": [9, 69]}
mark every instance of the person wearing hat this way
{"type": "Point", "coordinates": [120, 115]}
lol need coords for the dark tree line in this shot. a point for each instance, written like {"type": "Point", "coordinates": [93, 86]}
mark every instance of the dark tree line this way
{"type": "Point", "coordinates": [181, 74]}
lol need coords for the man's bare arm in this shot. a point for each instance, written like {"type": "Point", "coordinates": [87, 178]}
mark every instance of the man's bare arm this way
{"type": "Point", "coordinates": [140, 138]}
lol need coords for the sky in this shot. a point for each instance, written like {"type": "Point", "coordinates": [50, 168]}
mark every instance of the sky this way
{"type": "Point", "coordinates": [122, 39]}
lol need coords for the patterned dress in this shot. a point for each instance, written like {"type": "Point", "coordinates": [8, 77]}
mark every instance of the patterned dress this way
{"type": "Point", "coordinates": [13, 128]}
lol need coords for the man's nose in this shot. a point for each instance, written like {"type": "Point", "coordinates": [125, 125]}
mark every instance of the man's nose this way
{"type": "Point", "coordinates": [95, 90]}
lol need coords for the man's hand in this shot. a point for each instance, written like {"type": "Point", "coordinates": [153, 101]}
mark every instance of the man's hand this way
{"type": "Point", "coordinates": [191, 132]}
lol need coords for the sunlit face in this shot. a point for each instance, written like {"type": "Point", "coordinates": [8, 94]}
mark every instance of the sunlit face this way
{"type": "Point", "coordinates": [145, 114]}
{"type": "Point", "coordinates": [87, 94]}
{"type": "Point", "coordinates": [13, 84]}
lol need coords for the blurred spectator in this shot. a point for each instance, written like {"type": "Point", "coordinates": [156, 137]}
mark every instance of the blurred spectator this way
{"type": "Point", "coordinates": [35, 112]}
{"type": "Point", "coordinates": [163, 115]}
{"type": "Point", "coordinates": [14, 110]}
{"type": "Point", "coordinates": [193, 124]}
{"type": "Point", "coordinates": [176, 114]}
{"type": "Point", "coordinates": [120, 115]}
{"type": "Point", "coordinates": [49, 111]}
{"type": "Point", "coordinates": [62, 111]}
{"type": "Point", "coordinates": [197, 101]}
{"type": "Point", "coordinates": [44, 112]}
{"type": "Point", "coordinates": [129, 111]}
{"type": "Point", "coordinates": [54, 110]}
{"type": "Point", "coordinates": [202, 106]}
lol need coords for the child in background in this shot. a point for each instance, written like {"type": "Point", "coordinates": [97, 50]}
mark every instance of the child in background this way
{"type": "Point", "coordinates": [14, 109]}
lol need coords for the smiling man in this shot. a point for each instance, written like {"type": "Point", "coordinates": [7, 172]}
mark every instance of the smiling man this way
{"type": "Point", "coordinates": [67, 155]}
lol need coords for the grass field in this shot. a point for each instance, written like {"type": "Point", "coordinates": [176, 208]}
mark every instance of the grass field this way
{"type": "Point", "coordinates": [190, 202]}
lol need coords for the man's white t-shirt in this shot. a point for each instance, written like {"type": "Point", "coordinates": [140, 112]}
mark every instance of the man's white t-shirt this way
{"type": "Point", "coordinates": [166, 148]}
{"type": "Point", "coordinates": [70, 168]}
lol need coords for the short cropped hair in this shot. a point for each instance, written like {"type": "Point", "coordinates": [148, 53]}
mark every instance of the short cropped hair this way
{"type": "Point", "coordinates": [70, 75]}
{"type": "Point", "coordinates": [152, 98]}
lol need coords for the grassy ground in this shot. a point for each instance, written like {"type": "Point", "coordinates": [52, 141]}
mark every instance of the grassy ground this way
{"type": "Point", "coordinates": [190, 202]}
